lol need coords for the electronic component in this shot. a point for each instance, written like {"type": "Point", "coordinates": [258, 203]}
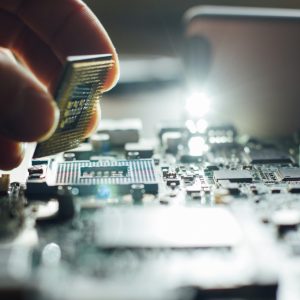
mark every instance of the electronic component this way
{"type": "Point", "coordinates": [267, 156]}
{"type": "Point", "coordinates": [173, 182]}
{"type": "Point", "coordinates": [194, 189]}
{"type": "Point", "coordinates": [83, 152]}
{"type": "Point", "coordinates": [294, 189]}
{"type": "Point", "coordinates": [171, 141]}
{"type": "Point", "coordinates": [171, 126]}
{"type": "Point", "coordinates": [188, 158]}
{"type": "Point", "coordinates": [121, 131]}
{"type": "Point", "coordinates": [112, 212]}
{"type": "Point", "coordinates": [77, 97]}
{"type": "Point", "coordinates": [132, 155]}
{"type": "Point", "coordinates": [69, 156]}
{"type": "Point", "coordinates": [231, 188]}
{"type": "Point", "coordinates": [289, 174]}
{"type": "Point", "coordinates": [144, 148]}
{"type": "Point", "coordinates": [233, 175]}
{"type": "Point", "coordinates": [88, 176]}
{"type": "Point", "coordinates": [100, 142]}
{"type": "Point", "coordinates": [137, 192]}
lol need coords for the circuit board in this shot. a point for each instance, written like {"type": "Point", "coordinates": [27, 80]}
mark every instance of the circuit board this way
{"type": "Point", "coordinates": [183, 215]}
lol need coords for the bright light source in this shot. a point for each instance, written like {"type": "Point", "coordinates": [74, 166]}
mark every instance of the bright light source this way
{"type": "Point", "coordinates": [197, 145]}
{"type": "Point", "coordinates": [198, 105]}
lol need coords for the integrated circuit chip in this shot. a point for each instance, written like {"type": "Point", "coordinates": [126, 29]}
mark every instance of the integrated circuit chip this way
{"type": "Point", "coordinates": [233, 175]}
{"type": "Point", "coordinates": [267, 156]}
{"type": "Point", "coordinates": [289, 174]}
{"type": "Point", "coordinates": [77, 97]}
{"type": "Point", "coordinates": [89, 176]}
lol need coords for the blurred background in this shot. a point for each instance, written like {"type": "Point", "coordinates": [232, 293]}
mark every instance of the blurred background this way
{"type": "Point", "coordinates": [144, 26]}
{"type": "Point", "coordinates": [148, 36]}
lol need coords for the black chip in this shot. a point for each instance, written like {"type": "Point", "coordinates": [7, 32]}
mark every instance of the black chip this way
{"type": "Point", "coordinates": [173, 182]}
{"type": "Point", "coordinates": [211, 168]}
{"type": "Point", "coordinates": [295, 189]}
{"type": "Point", "coordinates": [189, 158]}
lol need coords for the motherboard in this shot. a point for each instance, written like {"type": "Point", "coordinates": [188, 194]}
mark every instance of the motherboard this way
{"type": "Point", "coordinates": [183, 215]}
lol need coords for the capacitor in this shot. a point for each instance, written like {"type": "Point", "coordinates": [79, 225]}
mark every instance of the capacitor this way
{"type": "Point", "coordinates": [100, 142]}
{"type": "Point", "coordinates": [137, 192]}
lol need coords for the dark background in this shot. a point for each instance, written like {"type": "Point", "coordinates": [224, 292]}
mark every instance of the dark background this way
{"type": "Point", "coordinates": [154, 26]}
{"type": "Point", "coordinates": [143, 27]}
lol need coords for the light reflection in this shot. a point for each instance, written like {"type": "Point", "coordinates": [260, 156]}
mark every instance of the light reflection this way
{"type": "Point", "coordinates": [197, 145]}
{"type": "Point", "coordinates": [103, 192]}
{"type": "Point", "coordinates": [51, 255]}
{"type": "Point", "coordinates": [220, 139]}
{"type": "Point", "coordinates": [201, 125]}
{"type": "Point", "coordinates": [198, 126]}
{"type": "Point", "coordinates": [191, 126]}
{"type": "Point", "coordinates": [198, 104]}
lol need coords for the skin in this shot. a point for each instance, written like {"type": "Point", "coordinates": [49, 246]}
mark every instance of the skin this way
{"type": "Point", "coordinates": [41, 34]}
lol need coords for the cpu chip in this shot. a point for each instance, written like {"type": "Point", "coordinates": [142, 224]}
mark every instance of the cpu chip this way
{"type": "Point", "coordinates": [77, 96]}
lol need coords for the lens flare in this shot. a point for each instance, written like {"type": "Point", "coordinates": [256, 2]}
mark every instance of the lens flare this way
{"type": "Point", "coordinates": [198, 104]}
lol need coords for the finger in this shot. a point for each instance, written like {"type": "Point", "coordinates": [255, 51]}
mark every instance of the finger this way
{"type": "Point", "coordinates": [68, 27]}
{"type": "Point", "coordinates": [11, 153]}
{"type": "Point", "coordinates": [27, 112]}
{"type": "Point", "coordinates": [29, 48]}
{"type": "Point", "coordinates": [45, 66]}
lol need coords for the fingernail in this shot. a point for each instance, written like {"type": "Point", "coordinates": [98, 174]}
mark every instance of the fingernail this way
{"type": "Point", "coordinates": [35, 118]}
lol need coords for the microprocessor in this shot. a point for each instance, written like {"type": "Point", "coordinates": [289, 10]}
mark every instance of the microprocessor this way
{"type": "Point", "coordinates": [77, 97]}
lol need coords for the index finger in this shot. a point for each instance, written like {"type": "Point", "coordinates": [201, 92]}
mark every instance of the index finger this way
{"type": "Point", "coordinates": [68, 27]}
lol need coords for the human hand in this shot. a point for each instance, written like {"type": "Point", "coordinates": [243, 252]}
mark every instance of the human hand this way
{"type": "Point", "coordinates": [41, 34]}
